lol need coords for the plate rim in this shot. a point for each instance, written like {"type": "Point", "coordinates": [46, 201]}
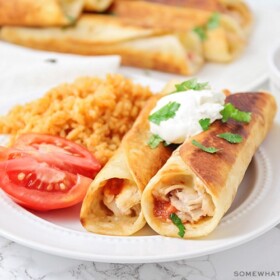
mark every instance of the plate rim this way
{"type": "Point", "coordinates": [211, 248]}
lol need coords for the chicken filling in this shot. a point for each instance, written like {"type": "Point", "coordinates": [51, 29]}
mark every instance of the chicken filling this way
{"type": "Point", "coordinates": [189, 203]}
{"type": "Point", "coordinates": [122, 197]}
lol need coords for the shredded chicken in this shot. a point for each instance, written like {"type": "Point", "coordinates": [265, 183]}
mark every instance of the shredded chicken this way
{"type": "Point", "coordinates": [191, 204]}
{"type": "Point", "coordinates": [127, 202]}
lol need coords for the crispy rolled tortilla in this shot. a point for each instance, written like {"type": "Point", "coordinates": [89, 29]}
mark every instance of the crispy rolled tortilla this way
{"type": "Point", "coordinates": [221, 44]}
{"type": "Point", "coordinates": [237, 9]}
{"type": "Point", "coordinates": [97, 5]}
{"type": "Point", "coordinates": [240, 11]}
{"type": "Point", "coordinates": [144, 13]}
{"type": "Point", "coordinates": [39, 12]}
{"type": "Point", "coordinates": [225, 42]}
{"type": "Point", "coordinates": [200, 187]}
{"type": "Point", "coordinates": [100, 35]}
{"type": "Point", "coordinates": [112, 204]}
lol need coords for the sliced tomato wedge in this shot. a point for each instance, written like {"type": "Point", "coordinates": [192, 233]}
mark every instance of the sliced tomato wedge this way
{"type": "Point", "coordinates": [44, 172]}
{"type": "Point", "coordinates": [38, 186]}
{"type": "Point", "coordinates": [57, 152]}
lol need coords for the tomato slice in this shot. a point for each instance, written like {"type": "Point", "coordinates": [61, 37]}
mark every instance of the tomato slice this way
{"type": "Point", "coordinates": [58, 152]}
{"type": "Point", "coordinates": [44, 172]}
{"type": "Point", "coordinates": [38, 186]}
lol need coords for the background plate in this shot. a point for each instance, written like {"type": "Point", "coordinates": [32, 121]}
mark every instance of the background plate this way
{"type": "Point", "coordinates": [255, 210]}
{"type": "Point", "coordinates": [248, 71]}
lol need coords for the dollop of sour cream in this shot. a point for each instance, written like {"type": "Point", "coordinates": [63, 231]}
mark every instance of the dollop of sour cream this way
{"type": "Point", "coordinates": [194, 106]}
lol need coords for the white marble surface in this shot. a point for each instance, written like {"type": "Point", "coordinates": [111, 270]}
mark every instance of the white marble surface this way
{"type": "Point", "coordinates": [258, 256]}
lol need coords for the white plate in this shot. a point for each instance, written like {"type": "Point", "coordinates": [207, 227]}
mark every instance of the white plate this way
{"type": "Point", "coordinates": [255, 210]}
{"type": "Point", "coordinates": [248, 71]}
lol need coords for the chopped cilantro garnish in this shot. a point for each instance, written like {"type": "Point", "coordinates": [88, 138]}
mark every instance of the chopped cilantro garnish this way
{"type": "Point", "coordinates": [72, 21]}
{"type": "Point", "coordinates": [231, 137]}
{"type": "Point", "coordinates": [205, 123]}
{"type": "Point", "coordinates": [166, 112]}
{"type": "Point", "coordinates": [230, 112]}
{"type": "Point", "coordinates": [214, 21]}
{"type": "Point", "coordinates": [210, 150]}
{"type": "Point", "coordinates": [154, 141]}
{"type": "Point", "coordinates": [70, 18]}
{"type": "Point", "coordinates": [191, 84]}
{"type": "Point", "coordinates": [201, 32]}
{"type": "Point", "coordinates": [178, 223]}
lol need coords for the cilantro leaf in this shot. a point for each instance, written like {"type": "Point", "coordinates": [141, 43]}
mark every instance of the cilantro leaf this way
{"type": "Point", "coordinates": [231, 137]}
{"type": "Point", "coordinates": [166, 112]}
{"type": "Point", "coordinates": [70, 18]}
{"type": "Point", "coordinates": [72, 22]}
{"type": "Point", "coordinates": [154, 141]}
{"type": "Point", "coordinates": [227, 112]}
{"type": "Point", "coordinates": [230, 112]}
{"type": "Point", "coordinates": [191, 84]}
{"type": "Point", "coordinates": [205, 123]}
{"type": "Point", "coordinates": [178, 223]}
{"type": "Point", "coordinates": [210, 150]}
{"type": "Point", "coordinates": [214, 21]}
{"type": "Point", "coordinates": [200, 31]}
{"type": "Point", "coordinates": [241, 116]}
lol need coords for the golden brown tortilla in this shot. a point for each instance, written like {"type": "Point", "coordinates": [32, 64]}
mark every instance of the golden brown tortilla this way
{"type": "Point", "coordinates": [39, 12]}
{"type": "Point", "coordinates": [97, 5]}
{"type": "Point", "coordinates": [150, 48]}
{"type": "Point", "coordinates": [236, 9]}
{"type": "Point", "coordinates": [149, 14]}
{"type": "Point", "coordinates": [112, 204]}
{"type": "Point", "coordinates": [220, 44]}
{"type": "Point", "coordinates": [203, 184]}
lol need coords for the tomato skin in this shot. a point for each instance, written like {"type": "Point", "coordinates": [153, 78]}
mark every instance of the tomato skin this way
{"type": "Point", "coordinates": [59, 152]}
{"type": "Point", "coordinates": [44, 172]}
{"type": "Point", "coordinates": [41, 199]}
{"type": "Point", "coordinates": [33, 139]}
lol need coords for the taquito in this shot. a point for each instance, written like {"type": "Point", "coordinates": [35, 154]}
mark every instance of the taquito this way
{"type": "Point", "coordinates": [199, 187]}
{"type": "Point", "coordinates": [222, 40]}
{"type": "Point", "coordinates": [240, 11]}
{"type": "Point", "coordinates": [149, 48]}
{"type": "Point", "coordinates": [236, 9]}
{"type": "Point", "coordinates": [112, 204]}
{"type": "Point", "coordinates": [39, 12]}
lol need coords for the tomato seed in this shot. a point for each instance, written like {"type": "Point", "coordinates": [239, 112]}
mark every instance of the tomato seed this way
{"type": "Point", "coordinates": [21, 176]}
{"type": "Point", "coordinates": [49, 188]}
{"type": "Point", "coordinates": [62, 186]}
